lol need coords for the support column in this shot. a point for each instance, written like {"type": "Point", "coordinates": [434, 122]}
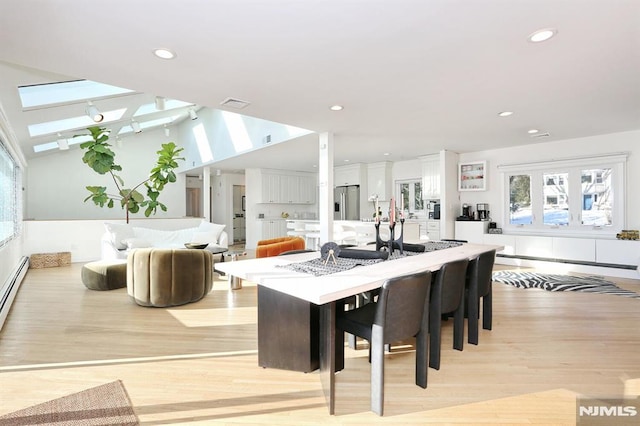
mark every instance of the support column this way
{"type": "Point", "coordinates": [206, 193]}
{"type": "Point", "coordinates": [325, 182]}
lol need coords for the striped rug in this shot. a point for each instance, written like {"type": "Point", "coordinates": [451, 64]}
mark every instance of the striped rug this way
{"type": "Point", "coordinates": [556, 282]}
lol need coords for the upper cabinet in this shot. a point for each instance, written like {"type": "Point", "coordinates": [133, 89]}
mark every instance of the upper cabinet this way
{"type": "Point", "coordinates": [283, 188]}
{"type": "Point", "coordinates": [349, 175]}
{"type": "Point", "coordinates": [379, 180]}
{"type": "Point", "coordinates": [431, 176]}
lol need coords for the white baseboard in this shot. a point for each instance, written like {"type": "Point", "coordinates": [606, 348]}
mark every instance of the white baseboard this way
{"type": "Point", "coordinates": [10, 288]}
{"type": "Point", "coordinates": [561, 267]}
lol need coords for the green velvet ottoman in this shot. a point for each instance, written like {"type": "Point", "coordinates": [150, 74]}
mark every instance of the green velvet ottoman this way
{"type": "Point", "coordinates": [105, 274]}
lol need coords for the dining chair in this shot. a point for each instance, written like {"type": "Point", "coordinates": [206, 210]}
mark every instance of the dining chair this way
{"type": "Point", "coordinates": [400, 312]}
{"type": "Point", "coordinates": [479, 285]}
{"type": "Point", "coordinates": [447, 295]}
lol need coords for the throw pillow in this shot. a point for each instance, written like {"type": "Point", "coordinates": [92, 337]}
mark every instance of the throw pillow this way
{"type": "Point", "coordinates": [204, 237]}
{"type": "Point", "coordinates": [211, 227]}
{"type": "Point", "coordinates": [136, 243]}
{"type": "Point", "coordinates": [119, 233]}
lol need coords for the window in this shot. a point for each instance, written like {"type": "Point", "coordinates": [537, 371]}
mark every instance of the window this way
{"type": "Point", "coordinates": [575, 195]}
{"type": "Point", "coordinates": [411, 195]}
{"type": "Point", "coordinates": [9, 196]}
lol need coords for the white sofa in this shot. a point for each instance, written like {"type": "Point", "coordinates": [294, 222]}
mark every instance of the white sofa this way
{"type": "Point", "coordinates": [119, 239]}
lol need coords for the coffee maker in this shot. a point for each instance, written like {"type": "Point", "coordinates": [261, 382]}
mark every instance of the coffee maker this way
{"type": "Point", "coordinates": [483, 211]}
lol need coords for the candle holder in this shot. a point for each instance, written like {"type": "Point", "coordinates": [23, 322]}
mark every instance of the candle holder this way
{"type": "Point", "coordinates": [392, 242]}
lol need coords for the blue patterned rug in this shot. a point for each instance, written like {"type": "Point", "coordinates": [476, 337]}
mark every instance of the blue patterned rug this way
{"type": "Point", "coordinates": [554, 282]}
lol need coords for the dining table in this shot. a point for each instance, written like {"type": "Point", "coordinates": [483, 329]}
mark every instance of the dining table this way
{"type": "Point", "coordinates": [280, 275]}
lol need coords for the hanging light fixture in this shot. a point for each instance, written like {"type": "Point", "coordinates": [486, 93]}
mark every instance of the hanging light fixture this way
{"type": "Point", "coordinates": [136, 126]}
{"type": "Point", "coordinates": [93, 113]}
{"type": "Point", "coordinates": [160, 103]}
{"type": "Point", "coordinates": [63, 144]}
{"type": "Point", "coordinates": [192, 114]}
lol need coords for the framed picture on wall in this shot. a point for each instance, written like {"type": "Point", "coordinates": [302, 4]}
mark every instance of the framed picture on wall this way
{"type": "Point", "coordinates": [472, 176]}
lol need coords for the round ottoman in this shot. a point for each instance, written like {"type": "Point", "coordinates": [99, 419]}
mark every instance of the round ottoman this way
{"type": "Point", "coordinates": [104, 274]}
{"type": "Point", "coordinates": [168, 277]}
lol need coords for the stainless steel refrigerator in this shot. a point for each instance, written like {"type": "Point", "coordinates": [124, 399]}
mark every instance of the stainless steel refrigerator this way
{"type": "Point", "coordinates": [346, 202]}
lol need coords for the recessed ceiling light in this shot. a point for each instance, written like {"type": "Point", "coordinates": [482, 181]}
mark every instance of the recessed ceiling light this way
{"type": "Point", "coordinates": [533, 131]}
{"type": "Point", "coordinates": [346, 161]}
{"type": "Point", "coordinates": [385, 154]}
{"type": "Point", "coordinates": [542, 35]}
{"type": "Point", "coordinates": [336, 107]}
{"type": "Point", "coordinates": [163, 53]}
{"type": "Point", "coordinates": [505, 113]}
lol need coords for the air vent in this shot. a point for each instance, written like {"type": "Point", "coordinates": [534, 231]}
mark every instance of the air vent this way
{"type": "Point", "coordinates": [234, 103]}
{"type": "Point", "coordinates": [541, 135]}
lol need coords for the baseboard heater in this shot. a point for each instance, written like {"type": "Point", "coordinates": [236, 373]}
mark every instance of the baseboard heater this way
{"type": "Point", "coordinates": [575, 262]}
{"type": "Point", "coordinates": [10, 288]}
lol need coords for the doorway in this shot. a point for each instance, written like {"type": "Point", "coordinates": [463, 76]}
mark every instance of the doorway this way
{"type": "Point", "coordinates": [239, 208]}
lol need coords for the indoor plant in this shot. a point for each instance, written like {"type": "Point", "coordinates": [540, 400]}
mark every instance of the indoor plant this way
{"type": "Point", "coordinates": [101, 159]}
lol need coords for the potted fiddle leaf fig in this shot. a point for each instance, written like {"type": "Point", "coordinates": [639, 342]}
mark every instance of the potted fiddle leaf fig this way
{"type": "Point", "coordinates": [99, 156]}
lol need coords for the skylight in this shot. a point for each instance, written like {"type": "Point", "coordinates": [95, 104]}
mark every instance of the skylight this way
{"type": "Point", "coordinates": [83, 121]}
{"type": "Point", "coordinates": [148, 124]}
{"type": "Point", "coordinates": [54, 145]}
{"type": "Point", "coordinates": [41, 95]}
{"type": "Point", "coordinates": [169, 105]}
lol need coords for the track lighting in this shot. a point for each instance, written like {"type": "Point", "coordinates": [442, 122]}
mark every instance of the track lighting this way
{"type": "Point", "coordinates": [160, 103]}
{"type": "Point", "coordinates": [192, 114]}
{"type": "Point", "coordinates": [93, 113]}
{"type": "Point", "coordinates": [136, 126]}
{"type": "Point", "coordinates": [167, 131]}
{"type": "Point", "coordinates": [63, 144]}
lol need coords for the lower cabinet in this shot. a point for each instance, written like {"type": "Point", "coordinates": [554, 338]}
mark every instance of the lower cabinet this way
{"type": "Point", "coordinates": [274, 228]}
{"type": "Point", "coordinates": [288, 332]}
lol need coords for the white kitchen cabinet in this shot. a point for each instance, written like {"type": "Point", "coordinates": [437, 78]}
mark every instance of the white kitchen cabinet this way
{"type": "Point", "coordinates": [618, 252]}
{"type": "Point", "coordinates": [307, 190]}
{"type": "Point", "coordinates": [431, 176]}
{"type": "Point", "coordinates": [272, 228]}
{"type": "Point", "coordinates": [348, 175]}
{"type": "Point", "coordinates": [433, 230]}
{"type": "Point", "coordinates": [582, 249]}
{"type": "Point", "coordinates": [379, 180]}
{"type": "Point", "coordinates": [289, 189]}
{"type": "Point", "coordinates": [270, 188]}
{"type": "Point", "coordinates": [471, 230]}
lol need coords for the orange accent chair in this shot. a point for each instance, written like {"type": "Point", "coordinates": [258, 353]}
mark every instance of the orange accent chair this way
{"type": "Point", "coordinates": [275, 246]}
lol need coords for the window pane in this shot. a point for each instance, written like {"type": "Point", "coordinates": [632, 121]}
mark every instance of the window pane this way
{"type": "Point", "coordinates": [556, 198]}
{"type": "Point", "coordinates": [417, 195]}
{"type": "Point", "coordinates": [597, 197]}
{"type": "Point", "coordinates": [404, 193]}
{"type": "Point", "coordinates": [520, 200]}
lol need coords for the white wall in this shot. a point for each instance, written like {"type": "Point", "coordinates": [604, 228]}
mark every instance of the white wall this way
{"type": "Point", "coordinates": [569, 148]}
{"type": "Point", "coordinates": [55, 183]}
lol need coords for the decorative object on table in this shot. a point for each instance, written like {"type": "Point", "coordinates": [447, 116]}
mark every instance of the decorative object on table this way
{"type": "Point", "coordinates": [472, 176]}
{"type": "Point", "coordinates": [628, 234]}
{"type": "Point", "coordinates": [495, 230]}
{"type": "Point", "coordinates": [101, 159]}
{"type": "Point", "coordinates": [556, 282]}
{"type": "Point", "coordinates": [329, 251]}
{"type": "Point", "coordinates": [199, 246]}
{"type": "Point", "coordinates": [392, 242]}
{"type": "Point", "coordinates": [284, 215]}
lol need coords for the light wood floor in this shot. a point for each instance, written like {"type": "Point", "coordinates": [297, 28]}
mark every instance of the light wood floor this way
{"type": "Point", "coordinates": [197, 364]}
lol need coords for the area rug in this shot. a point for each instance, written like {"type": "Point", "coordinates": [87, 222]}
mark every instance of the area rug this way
{"type": "Point", "coordinates": [554, 282]}
{"type": "Point", "coordinates": [107, 404]}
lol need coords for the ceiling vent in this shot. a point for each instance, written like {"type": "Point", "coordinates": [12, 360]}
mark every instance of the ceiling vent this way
{"type": "Point", "coordinates": [234, 103]}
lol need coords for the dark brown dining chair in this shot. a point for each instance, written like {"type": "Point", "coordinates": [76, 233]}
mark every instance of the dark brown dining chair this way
{"type": "Point", "coordinates": [400, 312]}
{"type": "Point", "coordinates": [447, 295]}
{"type": "Point", "coordinates": [479, 286]}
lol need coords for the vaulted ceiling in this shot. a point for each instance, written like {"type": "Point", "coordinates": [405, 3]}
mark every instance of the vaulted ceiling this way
{"type": "Point", "coordinates": [414, 77]}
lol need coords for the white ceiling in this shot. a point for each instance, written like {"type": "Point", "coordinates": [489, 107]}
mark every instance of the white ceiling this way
{"type": "Point", "coordinates": [414, 77]}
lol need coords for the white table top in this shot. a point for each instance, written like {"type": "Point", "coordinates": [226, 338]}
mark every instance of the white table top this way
{"type": "Point", "coordinates": [332, 287]}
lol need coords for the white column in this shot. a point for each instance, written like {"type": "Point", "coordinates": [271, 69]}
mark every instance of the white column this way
{"type": "Point", "coordinates": [206, 193]}
{"type": "Point", "coordinates": [325, 181]}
